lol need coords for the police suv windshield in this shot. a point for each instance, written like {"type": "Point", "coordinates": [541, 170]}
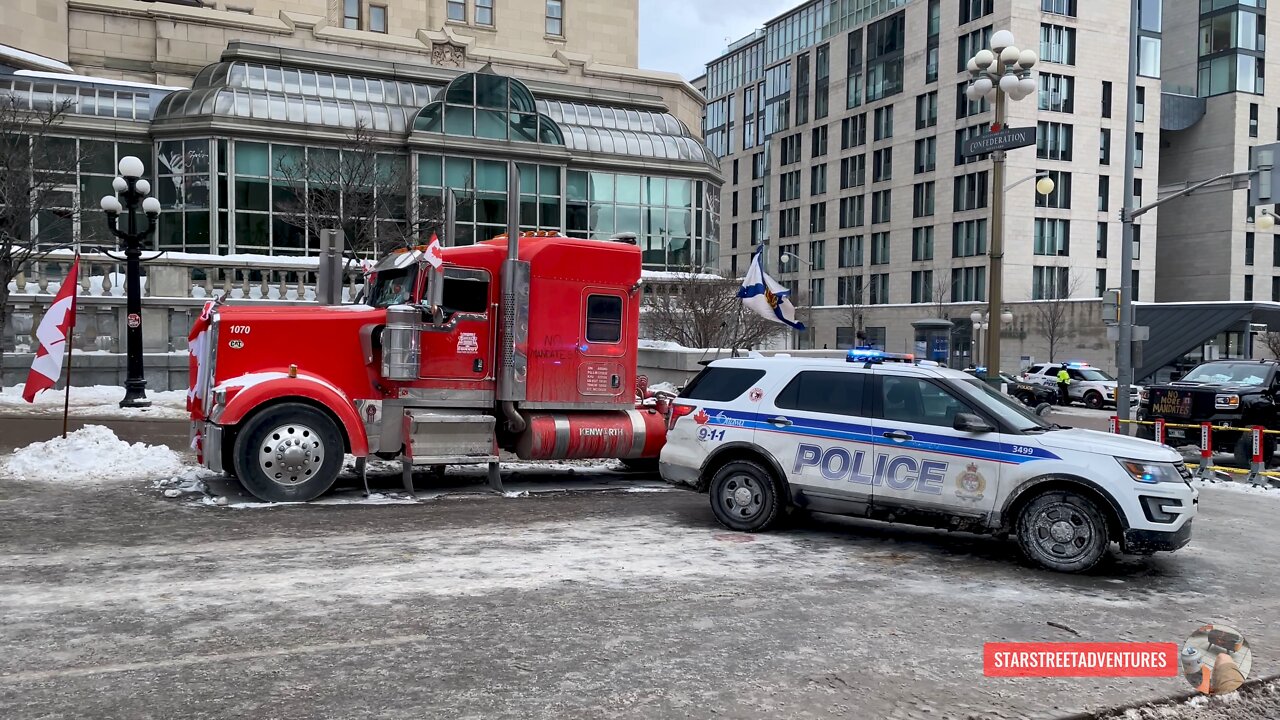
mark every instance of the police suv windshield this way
{"type": "Point", "coordinates": [392, 287]}
{"type": "Point", "coordinates": [1009, 411]}
{"type": "Point", "coordinates": [1229, 373]}
{"type": "Point", "coordinates": [1093, 374]}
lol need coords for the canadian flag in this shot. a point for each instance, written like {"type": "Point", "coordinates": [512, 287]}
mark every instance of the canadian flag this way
{"type": "Point", "coordinates": [197, 348]}
{"type": "Point", "coordinates": [53, 333]}
{"type": "Point", "coordinates": [435, 256]}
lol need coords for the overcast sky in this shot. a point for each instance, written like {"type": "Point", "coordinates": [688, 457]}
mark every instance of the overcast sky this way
{"type": "Point", "coordinates": [682, 35]}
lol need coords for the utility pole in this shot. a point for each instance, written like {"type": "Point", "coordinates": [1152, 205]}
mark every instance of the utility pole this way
{"type": "Point", "coordinates": [1124, 345]}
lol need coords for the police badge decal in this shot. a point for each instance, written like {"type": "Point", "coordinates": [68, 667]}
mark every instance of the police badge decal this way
{"type": "Point", "coordinates": [970, 484]}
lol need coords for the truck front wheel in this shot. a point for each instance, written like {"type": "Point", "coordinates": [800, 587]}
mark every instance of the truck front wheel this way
{"type": "Point", "coordinates": [288, 453]}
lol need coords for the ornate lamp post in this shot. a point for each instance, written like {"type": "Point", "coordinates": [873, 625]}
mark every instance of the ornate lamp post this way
{"type": "Point", "coordinates": [983, 321]}
{"type": "Point", "coordinates": [134, 191]}
{"type": "Point", "coordinates": [1003, 72]}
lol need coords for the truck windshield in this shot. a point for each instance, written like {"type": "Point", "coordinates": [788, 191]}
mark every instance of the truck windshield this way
{"type": "Point", "coordinates": [1228, 374]}
{"type": "Point", "coordinates": [393, 287]}
{"type": "Point", "coordinates": [1009, 411]}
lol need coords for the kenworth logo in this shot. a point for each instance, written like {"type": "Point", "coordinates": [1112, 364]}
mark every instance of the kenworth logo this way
{"type": "Point", "coordinates": [898, 472]}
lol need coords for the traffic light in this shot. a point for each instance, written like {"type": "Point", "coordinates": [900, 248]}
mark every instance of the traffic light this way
{"type": "Point", "coordinates": [1261, 160]}
{"type": "Point", "coordinates": [1111, 307]}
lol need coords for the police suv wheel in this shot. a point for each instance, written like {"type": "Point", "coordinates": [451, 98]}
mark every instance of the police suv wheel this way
{"type": "Point", "coordinates": [1063, 531]}
{"type": "Point", "coordinates": [744, 496]}
{"type": "Point", "coordinates": [288, 453]}
{"type": "Point", "coordinates": [1093, 400]}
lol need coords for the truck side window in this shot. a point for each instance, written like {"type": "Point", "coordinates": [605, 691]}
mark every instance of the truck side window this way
{"type": "Point", "coordinates": [604, 319]}
{"type": "Point", "coordinates": [464, 295]}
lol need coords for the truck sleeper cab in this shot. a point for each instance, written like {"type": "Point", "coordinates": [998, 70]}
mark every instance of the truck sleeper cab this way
{"type": "Point", "coordinates": [527, 346]}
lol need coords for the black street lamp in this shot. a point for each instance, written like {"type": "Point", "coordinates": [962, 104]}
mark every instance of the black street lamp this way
{"type": "Point", "coordinates": [134, 191]}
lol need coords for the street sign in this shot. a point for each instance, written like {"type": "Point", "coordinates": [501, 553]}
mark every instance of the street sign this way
{"type": "Point", "coordinates": [1261, 160]}
{"type": "Point", "coordinates": [1006, 139]}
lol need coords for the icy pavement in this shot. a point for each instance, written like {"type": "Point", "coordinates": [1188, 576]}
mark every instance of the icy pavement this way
{"type": "Point", "coordinates": [99, 401]}
{"type": "Point", "coordinates": [1254, 701]}
{"type": "Point", "coordinates": [599, 605]}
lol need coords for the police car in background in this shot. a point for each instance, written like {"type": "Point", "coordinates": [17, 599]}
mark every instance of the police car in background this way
{"type": "Point", "coordinates": [928, 446]}
{"type": "Point", "coordinates": [1089, 385]}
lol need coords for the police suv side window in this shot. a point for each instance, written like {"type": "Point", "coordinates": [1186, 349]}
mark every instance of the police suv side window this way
{"type": "Point", "coordinates": [916, 400]}
{"type": "Point", "coordinates": [721, 384]}
{"type": "Point", "coordinates": [837, 393]}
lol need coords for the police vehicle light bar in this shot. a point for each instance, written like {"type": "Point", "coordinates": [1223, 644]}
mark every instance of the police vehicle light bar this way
{"type": "Point", "coordinates": [865, 355]}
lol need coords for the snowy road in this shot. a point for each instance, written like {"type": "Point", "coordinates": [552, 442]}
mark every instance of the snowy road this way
{"type": "Point", "coordinates": [117, 603]}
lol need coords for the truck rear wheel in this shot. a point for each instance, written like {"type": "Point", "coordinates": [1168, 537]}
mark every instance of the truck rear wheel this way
{"type": "Point", "coordinates": [1063, 531]}
{"type": "Point", "coordinates": [288, 453]}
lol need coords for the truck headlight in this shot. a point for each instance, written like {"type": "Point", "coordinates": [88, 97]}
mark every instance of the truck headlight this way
{"type": "Point", "coordinates": [1226, 402]}
{"type": "Point", "coordinates": [1151, 473]}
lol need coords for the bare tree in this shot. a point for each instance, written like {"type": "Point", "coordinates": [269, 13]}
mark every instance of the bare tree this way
{"type": "Point", "coordinates": [855, 294]}
{"type": "Point", "coordinates": [1272, 342]}
{"type": "Point", "coordinates": [697, 311]}
{"type": "Point", "coordinates": [355, 186]}
{"type": "Point", "coordinates": [1052, 315]}
{"type": "Point", "coordinates": [35, 169]}
{"type": "Point", "coordinates": [940, 293]}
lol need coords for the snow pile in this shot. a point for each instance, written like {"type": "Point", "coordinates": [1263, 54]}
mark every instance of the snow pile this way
{"type": "Point", "coordinates": [94, 401]}
{"type": "Point", "coordinates": [92, 454]}
{"type": "Point", "coordinates": [1238, 486]}
{"type": "Point", "coordinates": [659, 345]}
{"type": "Point", "coordinates": [665, 387]}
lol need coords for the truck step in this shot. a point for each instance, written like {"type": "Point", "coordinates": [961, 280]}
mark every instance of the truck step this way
{"type": "Point", "coordinates": [462, 436]}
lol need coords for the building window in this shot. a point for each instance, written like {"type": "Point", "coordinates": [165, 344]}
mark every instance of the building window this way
{"type": "Point", "coordinates": [1057, 92]}
{"type": "Point", "coordinates": [969, 45]}
{"type": "Point", "coordinates": [457, 10]}
{"type": "Point", "coordinates": [851, 251]}
{"type": "Point", "coordinates": [883, 122]}
{"type": "Point", "coordinates": [848, 292]}
{"type": "Point", "coordinates": [1104, 147]}
{"type": "Point", "coordinates": [853, 71]}
{"type": "Point", "coordinates": [1140, 104]}
{"type": "Point", "coordinates": [1253, 120]}
{"type": "Point", "coordinates": [971, 10]}
{"type": "Point", "coordinates": [789, 223]}
{"type": "Point", "coordinates": [802, 89]}
{"type": "Point", "coordinates": [1100, 282]}
{"type": "Point", "coordinates": [1275, 289]}
{"type": "Point", "coordinates": [1058, 44]}
{"type": "Point", "coordinates": [880, 248]}
{"type": "Point", "coordinates": [853, 172]}
{"type": "Point", "coordinates": [1052, 237]}
{"type": "Point", "coordinates": [852, 211]}
{"type": "Point", "coordinates": [931, 49]}
{"type": "Point", "coordinates": [853, 131]}
{"type": "Point", "coordinates": [926, 155]}
{"type": "Point", "coordinates": [1104, 193]}
{"type": "Point", "coordinates": [555, 18]}
{"type": "Point", "coordinates": [378, 18]}
{"type": "Point", "coordinates": [1048, 283]}
{"type": "Point", "coordinates": [969, 191]}
{"type": "Point", "coordinates": [1102, 240]}
{"type": "Point", "coordinates": [1248, 287]}
{"type": "Point", "coordinates": [351, 14]}
{"type": "Point", "coordinates": [1248, 249]}
{"type": "Point", "coordinates": [484, 12]}
{"type": "Point", "coordinates": [969, 238]}
{"type": "Point", "coordinates": [818, 253]}
{"type": "Point", "coordinates": [1053, 141]}
{"type": "Point", "coordinates": [922, 200]}
{"type": "Point", "coordinates": [881, 202]}
{"type": "Point", "coordinates": [922, 244]}
{"type": "Point", "coordinates": [817, 180]}
{"type": "Point", "coordinates": [1106, 98]}
{"type": "Point", "coordinates": [1137, 149]}
{"type": "Point", "coordinates": [886, 45]}
{"type": "Point", "coordinates": [817, 292]}
{"type": "Point", "coordinates": [818, 141]}
{"type": "Point", "coordinates": [818, 218]}
{"type": "Point", "coordinates": [1137, 244]}
{"type": "Point", "coordinates": [1059, 7]}
{"type": "Point", "coordinates": [1061, 196]}
{"type": "Point", "coordinates": [882, 165]}
{"type": "Point", "coordinates": [878, 295]}
{"type": "Point", "coordinates": [822, 95]}
{"type": "Point", "coordinates": [969, 284]}
{"type": "Point", "coordinates": [789, 186]}
{"type": "Point", "coordinates": [927, 110]}
{"type": "Point", "coordinates": [966, 107]}
{"type": "Point", "coordinates": [969, 133]}
{"type": "Point", "coordinates": [1149, 56]}
{"type": "Point", "coordinates": [921, 286]}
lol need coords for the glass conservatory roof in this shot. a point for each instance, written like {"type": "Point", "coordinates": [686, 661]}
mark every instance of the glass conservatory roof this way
{"type": "Point", "coordinates": [82, 95]}
{"type": "Point", "coordinates": [298, 95]}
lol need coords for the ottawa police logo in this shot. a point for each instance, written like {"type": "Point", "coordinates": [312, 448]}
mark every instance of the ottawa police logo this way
{"type": "Point", "coordinates": [970, 484]}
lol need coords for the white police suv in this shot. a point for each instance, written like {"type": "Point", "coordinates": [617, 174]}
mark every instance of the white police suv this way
{"type": "Point", "coordinates": [922, 445]}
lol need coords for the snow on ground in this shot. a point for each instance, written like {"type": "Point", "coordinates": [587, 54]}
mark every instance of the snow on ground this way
{"type": "Point", "coordinates": [664, 387]}
{"type": "Point", "coordinates": [92, 454]}
{"type": "Point", "coordinates": [94, 401]}
{"type": "Point", "coordinates": [1239, 486]}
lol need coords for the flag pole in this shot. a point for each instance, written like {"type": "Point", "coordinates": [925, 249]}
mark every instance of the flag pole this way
{"type": "Point", "coordinates": [71, 346]}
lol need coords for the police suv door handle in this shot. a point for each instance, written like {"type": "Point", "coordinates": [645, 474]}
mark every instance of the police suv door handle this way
{"type": "Point", "coordinates": [897, 435]}
{"type": "Point", "coordinates": [780, 421]}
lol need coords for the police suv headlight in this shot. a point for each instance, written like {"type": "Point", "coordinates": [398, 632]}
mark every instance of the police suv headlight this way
{"type": "Point", "coordinates": [1226, 402]}
{"type": "Point", "coordinates": [1151, 473]}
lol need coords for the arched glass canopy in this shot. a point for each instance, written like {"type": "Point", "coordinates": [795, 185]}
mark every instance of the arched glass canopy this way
{"type": "Point", "coordinates": [485, 105]}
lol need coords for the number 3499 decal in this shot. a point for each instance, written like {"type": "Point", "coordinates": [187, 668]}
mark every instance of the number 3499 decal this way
{"type": "Point", "coordinates": [710, 434]}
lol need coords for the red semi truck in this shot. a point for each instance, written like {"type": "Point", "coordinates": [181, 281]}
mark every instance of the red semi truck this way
{"type": "Point", "coordinates": [525, 344]}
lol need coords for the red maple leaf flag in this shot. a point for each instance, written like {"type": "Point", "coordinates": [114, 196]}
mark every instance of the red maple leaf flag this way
{"type": "Point", "coordinates": [53, 334]}
{"type": "Point", "coordinates": [197, 355]}
{"type": "Point", "coordinates": [435, 255]}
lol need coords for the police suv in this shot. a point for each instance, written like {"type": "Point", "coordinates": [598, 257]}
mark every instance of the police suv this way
{"type": "Point", "coordinates": [921, 445]}
{"type": "Point", "coordinates": [1089, 385]}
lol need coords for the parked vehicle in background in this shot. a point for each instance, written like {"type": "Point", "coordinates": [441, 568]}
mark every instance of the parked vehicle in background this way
{"type": "Point", "coordinates": [1028, 393]}
{"type": "Point", "coordinates": [1239, 393]}
{"type": "Point", "coordinates": [1093, 387]}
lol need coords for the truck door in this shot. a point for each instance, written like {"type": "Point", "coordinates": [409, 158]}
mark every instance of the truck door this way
{"type": "Point", "coordinates": [460, 347]}
{"type": "Point", "coordinates": [817, 429]}
{"type": "Point", "coordinates": [922, 462]}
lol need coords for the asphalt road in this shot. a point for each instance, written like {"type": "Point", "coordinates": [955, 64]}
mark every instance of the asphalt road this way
{"type": "Point", "coordinates": [120, 603]}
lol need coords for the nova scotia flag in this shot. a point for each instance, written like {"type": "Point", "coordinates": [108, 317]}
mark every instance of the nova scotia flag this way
{"type": "Point", "coordinates": [763, 295]}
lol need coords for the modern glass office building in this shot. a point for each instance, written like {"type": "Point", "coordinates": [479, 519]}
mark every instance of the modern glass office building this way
{"type": "Point", "coordinates": [223, 155]}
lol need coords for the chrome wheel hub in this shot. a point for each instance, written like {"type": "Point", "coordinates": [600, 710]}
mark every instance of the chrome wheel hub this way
{"type": "Point", "coordinates": [291, 454]}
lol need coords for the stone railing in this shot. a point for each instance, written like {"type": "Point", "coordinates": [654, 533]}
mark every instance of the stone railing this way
{"type": "Point", "coordinates": [174, 288]}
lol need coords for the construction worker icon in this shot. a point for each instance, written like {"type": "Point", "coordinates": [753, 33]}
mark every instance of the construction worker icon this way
{"type": "Point", "coordinates": [1216, 659]}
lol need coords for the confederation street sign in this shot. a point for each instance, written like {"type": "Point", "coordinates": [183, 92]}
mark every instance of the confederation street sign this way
{"type": "Point", "coordinates": [1006, 139]}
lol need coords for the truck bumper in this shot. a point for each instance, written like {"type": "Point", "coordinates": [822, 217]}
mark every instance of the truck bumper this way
{"type": "Point", "coordinates": [207, 439]}
{"type": "Point", "coordinates": [1148, 541]}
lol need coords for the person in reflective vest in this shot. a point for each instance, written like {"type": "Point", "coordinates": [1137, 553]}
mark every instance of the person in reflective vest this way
{"type": "Point", "coordinates": [1064, 383]}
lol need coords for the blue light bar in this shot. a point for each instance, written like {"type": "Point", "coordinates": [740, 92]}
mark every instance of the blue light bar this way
{"type": "Point", "coordinates": [1076, 364]}
{"type": "Point", "coordinates": [864, 355]}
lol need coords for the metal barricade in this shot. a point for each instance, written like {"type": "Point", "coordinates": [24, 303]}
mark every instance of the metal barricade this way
{"type": "Point", "coordinates": [1257, 473]}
